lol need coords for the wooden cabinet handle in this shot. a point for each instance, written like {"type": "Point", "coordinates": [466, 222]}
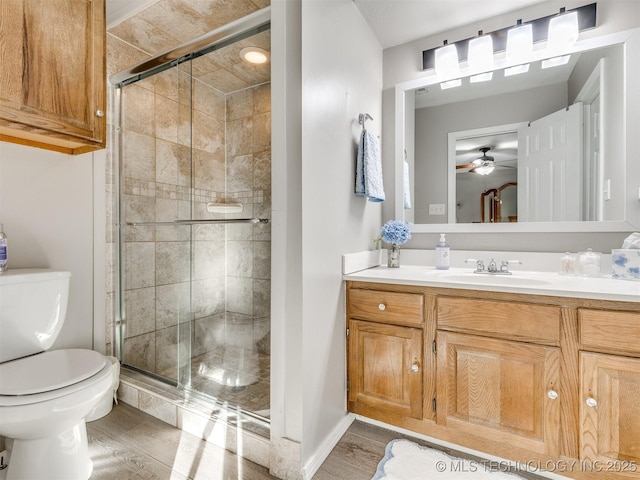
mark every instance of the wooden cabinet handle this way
{"type": "Point", "coordinates": [382, 307]}
{"type": "Point", "coordinates": [591, 402]}
{"type": "Point", "coordinates": [99, 113]}
{"type": "Point", "coordinates": [552, 394]}
{"type": "Point", "coordinates": [415, 367]}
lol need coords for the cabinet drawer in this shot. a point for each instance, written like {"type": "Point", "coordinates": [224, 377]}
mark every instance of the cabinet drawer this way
{"type": "Point", "coordinates": [387, 307]}
{"type": "Point", "coordinates": [615, 332]}
{"type": "Point", "coordinates": [517, 321]}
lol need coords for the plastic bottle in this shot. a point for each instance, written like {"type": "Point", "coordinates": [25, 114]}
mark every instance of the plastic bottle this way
{"type": "Point", "coordinates": [3, 250]}
{"type": "Point", "coordinates": [442, 254]}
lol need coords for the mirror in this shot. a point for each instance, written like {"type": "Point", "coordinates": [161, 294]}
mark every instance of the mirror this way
{"type": "Point", "coordinates": [589, 186]}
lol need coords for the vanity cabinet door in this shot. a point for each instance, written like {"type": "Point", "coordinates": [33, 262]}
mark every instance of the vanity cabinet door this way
{"type": "Point", "coordinates": [53, 82]}
{"type": "Point", "coordinates": [610, 413]}
{"type": "Point", "coordinates": [499, 390]}
{"type": "Point", "coordinates": [385, 369]}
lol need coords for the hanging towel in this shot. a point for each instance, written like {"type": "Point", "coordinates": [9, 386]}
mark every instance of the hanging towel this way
{"type": "Point", "coordinates": [406, 186]}
{"type": "Point", "coordinates": [369, 168]}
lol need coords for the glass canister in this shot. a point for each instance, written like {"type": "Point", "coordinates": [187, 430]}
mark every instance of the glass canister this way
{"type": "Point", "coordinates": [588, 264]}
{"type": "Point", "coordinates": [568, 264]}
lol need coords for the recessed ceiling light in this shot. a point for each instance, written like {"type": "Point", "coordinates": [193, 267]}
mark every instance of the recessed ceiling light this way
{"type": "Point", "coordinates": [255, 55]}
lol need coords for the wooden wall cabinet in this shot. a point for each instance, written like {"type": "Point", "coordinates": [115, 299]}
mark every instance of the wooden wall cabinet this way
{"type": "Point", "coordinates": [541, 380]}
{"type": "Point", "coordinates": [53, 81]}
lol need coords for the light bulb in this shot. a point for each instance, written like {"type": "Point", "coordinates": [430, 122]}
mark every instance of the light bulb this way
{"type": "Point", "coordinates": [519, 43]}
{"type": "Point", "coordinates": [481, 52]}
{"type": "Point", "coordinates": [254, 55]}
{"type": "Point", "coordinates": [447, 60]}
{"type": "Point", "coordinates": [563, 31]}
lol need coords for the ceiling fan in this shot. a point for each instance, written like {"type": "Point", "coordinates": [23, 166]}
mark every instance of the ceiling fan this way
{"type": "Point", "coordinates": [482, 165]}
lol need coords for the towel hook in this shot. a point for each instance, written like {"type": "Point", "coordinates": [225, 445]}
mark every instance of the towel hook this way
{"type": "Point", "coordinates": [363, 117]}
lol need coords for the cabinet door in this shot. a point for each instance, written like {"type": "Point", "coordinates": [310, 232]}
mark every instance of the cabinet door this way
{"type": "Point", "coordinates": [385, 368]}
{"type": "Point", "coordinates": [52, 90]}
{"type": "Point", "coordinates": [500, 390]}
{"type": "Point", "coordinates": [610, 412]}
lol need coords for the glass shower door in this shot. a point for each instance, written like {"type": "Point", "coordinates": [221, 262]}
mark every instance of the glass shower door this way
{"type": "Point", "coordinates": [156, 254]}
{"type": "Point", "coordinates": [195, 238]}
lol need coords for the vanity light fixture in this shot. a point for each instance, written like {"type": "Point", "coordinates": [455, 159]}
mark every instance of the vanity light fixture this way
{"type": "Point", "coordinates": [555, 61]}
{"type": "Point", "coordinates": [481, 52]}
{"type": "Point", "coordinates": [520, 42]}
{"type": "Point", "coordinates": [517, 70]}
{"type": "Point", "coordinates": [481, 77]}
{"type": "Point", "coordinates": [481, 57]}
{"type": "Point", "coordinates": [563, 31]}
{"type": "Point", "coordinates": [447, 60]}
{"type": "Point", "coordinates": [254, 55]}
{"type": "Point", "coordinates": [451, 84]}
{"type": "Point", "coordinates": [559, 31]}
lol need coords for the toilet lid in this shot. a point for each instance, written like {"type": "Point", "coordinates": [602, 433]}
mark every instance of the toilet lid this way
{"type": "Point", "coordinates": [48, 371]}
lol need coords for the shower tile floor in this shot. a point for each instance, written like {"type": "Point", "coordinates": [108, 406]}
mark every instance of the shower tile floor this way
{"type": "Point", "coordinates": [233, 375]}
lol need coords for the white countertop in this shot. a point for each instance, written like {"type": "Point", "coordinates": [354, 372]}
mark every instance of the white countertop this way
{"type": "Point", "coordinates": [532, 283]}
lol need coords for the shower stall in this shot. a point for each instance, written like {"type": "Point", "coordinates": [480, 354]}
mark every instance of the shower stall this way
{"type": "Point", "coordinates": [193, 207]}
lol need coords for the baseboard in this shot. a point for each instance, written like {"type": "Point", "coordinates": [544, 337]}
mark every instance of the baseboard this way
{"type": "Point", "coordinates": [320, 455]}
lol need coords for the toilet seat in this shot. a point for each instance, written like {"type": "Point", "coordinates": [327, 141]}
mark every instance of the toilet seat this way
{"type": "Point", "coordinates": [48, 375]}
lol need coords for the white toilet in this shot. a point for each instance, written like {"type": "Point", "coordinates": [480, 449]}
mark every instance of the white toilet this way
{"type": "Point", "coordinates": [45, 396]}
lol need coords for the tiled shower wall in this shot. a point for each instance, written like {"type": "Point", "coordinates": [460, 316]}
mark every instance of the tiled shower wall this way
{"type": "Point", "coordinates": [230, 162]}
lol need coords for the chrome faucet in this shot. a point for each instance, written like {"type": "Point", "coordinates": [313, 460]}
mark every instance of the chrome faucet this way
{"type": "Point", "coordinates": [492, 268]}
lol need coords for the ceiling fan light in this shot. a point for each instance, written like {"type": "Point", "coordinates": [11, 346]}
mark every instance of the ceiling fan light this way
{"type": "Point", "coordinates": [481, 52]}
{"type": "Point", "coordinates": [555, 61]}
{"type": "Point", "coordinates": [481, 77]}
{"type": "Point", "coordinates": [446, 60]}
{"type": "Point", "coordinates": [517, 70]}
{"type": "Point", "coordinates": [485, 169]}
{"type": "Point", "coordinates": [519, 43]}
{"type": "Point", "coordinates": [563, 31]}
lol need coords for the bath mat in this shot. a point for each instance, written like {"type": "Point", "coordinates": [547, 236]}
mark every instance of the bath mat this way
{"type": "Point", "coordinates": [406, 460]}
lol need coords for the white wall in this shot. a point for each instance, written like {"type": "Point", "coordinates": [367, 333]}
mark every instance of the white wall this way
{"type": "Point", "coordinates": [326, 69]}
{"type": "Point", "coordinates": [403, 63]}
{"type": "Point", "coordinates": [47, 207]}
{"type": "Point", "coordinates": [341, 77]}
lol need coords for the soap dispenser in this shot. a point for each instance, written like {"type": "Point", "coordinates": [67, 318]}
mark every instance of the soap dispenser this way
{"type": "Point", "coordinates": [442, 253]}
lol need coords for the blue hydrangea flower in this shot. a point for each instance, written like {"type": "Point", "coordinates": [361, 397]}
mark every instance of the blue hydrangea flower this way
{"type": "Point", "coordinates": [395, 232]}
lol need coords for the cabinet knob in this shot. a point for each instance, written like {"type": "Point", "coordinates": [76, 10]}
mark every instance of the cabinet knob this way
{"type": "Point", "coordinates": [99, 113]}
{"type": "Point", "coordinates": [381, 307]}
{"type": "Point", "coordinates": [552, 394]}
{"type": "Point", "coordinates": [591, 402]}
{"type": "Point", "coordinates": [415, 367]}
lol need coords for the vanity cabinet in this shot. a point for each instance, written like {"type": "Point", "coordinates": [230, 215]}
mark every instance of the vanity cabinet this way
{"type": "Point", "coordinates": [498, 372]}
{"type": "Point", "coordinates": [53, 82]}
{"type": "Point", "coordinates": [551, 382]}
{"type": "Point", "coordinates": [385, 353]}
{"type": "Point", "coordinates": [610, 391]}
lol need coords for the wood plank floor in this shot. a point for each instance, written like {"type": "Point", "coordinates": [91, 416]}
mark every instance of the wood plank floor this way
{"type": "Point", "coordinates": [129, 444]}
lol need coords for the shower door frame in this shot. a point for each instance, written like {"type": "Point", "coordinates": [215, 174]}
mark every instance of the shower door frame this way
{"type": "Point", "coordinates": [226, 35]}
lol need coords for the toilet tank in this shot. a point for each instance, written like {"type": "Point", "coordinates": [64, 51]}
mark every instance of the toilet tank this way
{"type": "Point", "coordinates": [33, 305]}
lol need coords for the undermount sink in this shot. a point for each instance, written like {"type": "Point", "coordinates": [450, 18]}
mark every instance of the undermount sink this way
{"type": "Point", "coordinates": [487, 279]}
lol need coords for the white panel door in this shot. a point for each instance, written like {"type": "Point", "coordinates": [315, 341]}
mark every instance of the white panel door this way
{"type": "Point", "coordinates": [550, 167]}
